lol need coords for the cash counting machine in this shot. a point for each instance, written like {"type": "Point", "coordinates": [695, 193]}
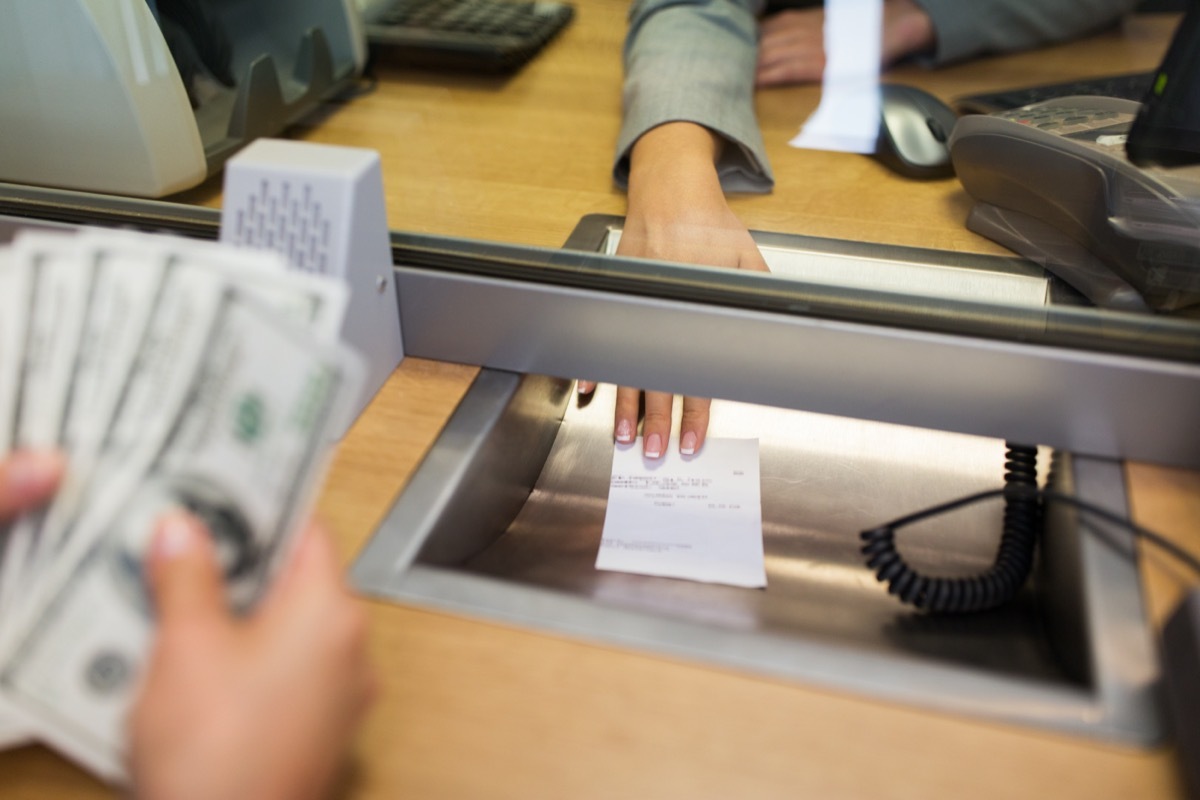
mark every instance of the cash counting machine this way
{"type": "Point", "coordinates": [867, 405]}
{"type": "Point", "coordinates": [92, 98]}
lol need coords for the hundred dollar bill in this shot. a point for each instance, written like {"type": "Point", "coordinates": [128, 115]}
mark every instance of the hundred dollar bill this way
{"type": "Point", "coordinates": [244, 452]}
{"type": "Point", "coordinates": [126, 281]}
{"type": "Point", "coordinates": [316, 302]}
{"type": "Point", "coordinates": [61, 288]}
{"type": "Point", "coordinates": [45, 293]}
{"type": "Point", "coordinates": [142, 388]}
{"type": "Point", "coordinates": [13, 303]}
{"type": "Point", "coordinates": [197, 275]}
{"type": "Point", "coordinates": [14, 731]}
{"type": "Point", "coordinates": [173, 348]}
{"type": "Point", "coordinates": [15, 300]}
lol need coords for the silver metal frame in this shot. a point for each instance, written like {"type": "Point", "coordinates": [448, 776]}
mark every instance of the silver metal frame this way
{"type": "Point", "coordinates": [1100, 404]}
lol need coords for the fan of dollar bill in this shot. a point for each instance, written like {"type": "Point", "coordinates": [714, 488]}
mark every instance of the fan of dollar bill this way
{"type": "Point", "coordinates": [172, 374]}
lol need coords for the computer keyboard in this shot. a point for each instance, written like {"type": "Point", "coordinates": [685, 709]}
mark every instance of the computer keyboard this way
{"type": "Point", "coordinates": [475, 35]}
{"type": "Point", "coordinates": [1126, 87]}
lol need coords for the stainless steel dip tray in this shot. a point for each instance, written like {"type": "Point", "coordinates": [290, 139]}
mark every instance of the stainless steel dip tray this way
{"type": "Point", "coordinates": [504, 516]}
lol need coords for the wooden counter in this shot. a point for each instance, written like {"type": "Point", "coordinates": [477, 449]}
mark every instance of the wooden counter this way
{"type": "Point", "coordinates": [477, 709]}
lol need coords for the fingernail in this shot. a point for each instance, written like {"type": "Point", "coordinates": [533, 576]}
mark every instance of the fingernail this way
{"type": "Point", "coordinates": [174, 536]}
{"type": "Point", "coordinates": [653, 446]}
{"type": "Point", "coordinates": [585, 387]}
{"type": "Point", "coordinates": [32, 471]}
{"type": "Point", "coordinates": [687, 445]}
{"type": "Point", "coordinates": [624, 431]}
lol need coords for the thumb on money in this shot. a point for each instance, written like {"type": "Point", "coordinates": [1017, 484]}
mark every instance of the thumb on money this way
{"type": "Point", "coordinates": [262, 706]}
{"type": "Point", "coordinates": [185, 579]}
{"type": "Point", "coordinates": [27, 480]}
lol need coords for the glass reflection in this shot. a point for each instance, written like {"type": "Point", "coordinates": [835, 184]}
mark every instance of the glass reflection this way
{"type": "Point", "coordinates": [523, 157]}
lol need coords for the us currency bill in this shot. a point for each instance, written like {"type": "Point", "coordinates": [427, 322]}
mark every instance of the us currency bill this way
{"type": "Point", "coordinates": [13, 302]}
{"type": "Point", "coordinates": [243, 449]}
{"type": "Point", "coordinates": [136, 366]}
{"type": "Point", "coordinates": [61, 286]}
{"type": "Point", "coordinates": [121, 350]}
{"type": "Point", "coordinates": [127, 278]}
{"type": "Point", "coordinates": [14, 730]}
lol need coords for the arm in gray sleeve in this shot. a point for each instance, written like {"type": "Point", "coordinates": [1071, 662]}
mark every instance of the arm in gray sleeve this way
{"type": "Point", "coordinates": [694, 61]}
{"type": "Point", "coordinates": [965, 29]}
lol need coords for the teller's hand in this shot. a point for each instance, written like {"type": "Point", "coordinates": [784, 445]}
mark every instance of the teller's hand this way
{"type": "Point", "coordinates": [677, 212]}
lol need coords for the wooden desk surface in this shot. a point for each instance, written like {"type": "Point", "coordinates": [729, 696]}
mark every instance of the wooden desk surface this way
{"type": "Point", "coordinates": [476, 709]}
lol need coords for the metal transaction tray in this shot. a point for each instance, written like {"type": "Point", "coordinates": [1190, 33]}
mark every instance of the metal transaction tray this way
{"type": "Point", "coordinates": [503, 520]}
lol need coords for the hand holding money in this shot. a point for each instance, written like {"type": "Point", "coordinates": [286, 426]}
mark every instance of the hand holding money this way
{"type": "Point", "coordinates": [203, 705]}
{"type": "Point", "coordinates": [170, 374]}
{"type": "Point", "coordinates": [254, 708]}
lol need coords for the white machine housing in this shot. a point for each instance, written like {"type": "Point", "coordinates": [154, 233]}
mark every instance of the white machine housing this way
{"type": "Point", "coordinates": [90, 97]}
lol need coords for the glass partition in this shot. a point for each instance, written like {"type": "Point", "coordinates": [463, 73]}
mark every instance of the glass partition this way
{"type": "Point", "coordinates": [476, 164]}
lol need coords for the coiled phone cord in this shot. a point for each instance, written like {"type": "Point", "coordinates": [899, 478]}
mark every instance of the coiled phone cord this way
{"type": "Point", "coordinates": [1014, 558]}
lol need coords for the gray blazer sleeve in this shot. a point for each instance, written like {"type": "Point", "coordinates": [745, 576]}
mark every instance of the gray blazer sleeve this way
{"type": "Point", "coordinates": [967, 28]}
{"type": "Point", "coordinates": [694, 61]}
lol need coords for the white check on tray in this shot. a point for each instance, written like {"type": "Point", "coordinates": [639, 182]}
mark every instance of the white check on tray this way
{"type": "Point", "coordinates": [695, 517]}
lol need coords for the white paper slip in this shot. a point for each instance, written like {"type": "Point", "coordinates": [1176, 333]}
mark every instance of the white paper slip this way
{"type": "Point", "coordinates": [847, 118]}
{"type": "Point", "coordinates": [694, 517]}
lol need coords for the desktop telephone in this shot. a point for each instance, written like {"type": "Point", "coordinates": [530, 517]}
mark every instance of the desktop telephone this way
{"type": "Point", "coordinates": [1103, 192]}
{"type": "Point", "coordinates": [1052, 182]}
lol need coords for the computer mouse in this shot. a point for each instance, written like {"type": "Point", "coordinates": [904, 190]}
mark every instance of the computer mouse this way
{"type": "Point", "coordinates": [914, 132]}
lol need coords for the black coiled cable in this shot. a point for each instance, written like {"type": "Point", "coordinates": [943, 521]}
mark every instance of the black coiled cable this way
{"type": "Point", "coordinates": [1014, 558]}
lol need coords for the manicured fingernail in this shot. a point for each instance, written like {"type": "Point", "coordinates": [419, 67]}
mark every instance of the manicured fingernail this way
{"type": "Point", "coordinates": [174, 536]}
{"type": "Point", "coordinates": [32, 471]}
{"type": "Point", "coordinates": [687, 445]}
{"type": "Point", "coordinates": [585, 387]}
{"type": "Point", "coordinates": [653, 446]}
{"type": "Point", "coordinates": [624, 431]}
